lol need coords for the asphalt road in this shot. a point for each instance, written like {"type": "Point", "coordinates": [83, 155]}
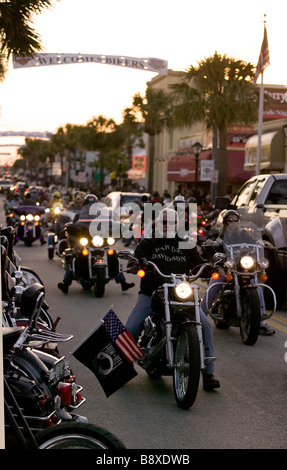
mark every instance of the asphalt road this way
{"type": "Point", "coordinates": [247, 412]}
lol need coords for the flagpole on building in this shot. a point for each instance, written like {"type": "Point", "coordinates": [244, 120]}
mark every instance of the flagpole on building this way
{"type": "Point", "coordinates": [260, 120]}
{"type": "Point", "coordinates": [263, 62]}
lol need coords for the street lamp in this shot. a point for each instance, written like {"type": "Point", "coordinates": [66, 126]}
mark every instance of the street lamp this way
{"type": "Point", "coordinates": [196, 149]}
{"type": "Point", "coordinates": [120, 162]}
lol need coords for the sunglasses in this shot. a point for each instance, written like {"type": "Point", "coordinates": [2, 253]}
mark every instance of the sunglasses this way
{"type": "Point", "coordinates": [232, 220]}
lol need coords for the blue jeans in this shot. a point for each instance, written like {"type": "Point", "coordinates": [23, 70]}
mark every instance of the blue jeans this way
{"type": "Point", "coordinates": [142, 309]}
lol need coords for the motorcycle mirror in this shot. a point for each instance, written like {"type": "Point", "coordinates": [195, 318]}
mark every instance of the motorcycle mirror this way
{"type": "Point", "coordinates": [126, 254]}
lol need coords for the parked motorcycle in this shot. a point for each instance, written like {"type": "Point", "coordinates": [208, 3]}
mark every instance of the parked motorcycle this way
{"type": "Point", "coordinates": [68, 435]}
{"type": "Point", "coordinates": [28, 228]}
{"type": "Point", "coordinates": [239, 297]}
{"type": "Point", "coordinates": [172, 338]}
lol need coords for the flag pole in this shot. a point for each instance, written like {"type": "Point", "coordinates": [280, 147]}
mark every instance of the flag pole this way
{"type": "Point", "coordinates": [260, 119]}
{"type": "Point", "coordinates": [263, 62]}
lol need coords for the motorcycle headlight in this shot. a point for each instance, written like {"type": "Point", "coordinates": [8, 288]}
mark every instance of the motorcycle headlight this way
{"type": "Point", "coordinates": [183, 290]}
{"type": "Point", "coordinates": [98, 241]}
{"type": "Point", "coordinates": [29, 217]}
{"type": "Point", "coordinates": [37, 217]}
{"type": "Point", "coordinates": [229, 263]}
{"type": "Point", "coordinates": [84, 241]}
{"type": "Point", "coordinates": [247, 262]}
{"type": "Point", "coordinates": [22, 217]}
{"type": "Point", "coordinates": [111, 241]}
{"type": "Point", "coordinates": [263, 263]}
{"type": "Point", "coordinates": [57, 210]}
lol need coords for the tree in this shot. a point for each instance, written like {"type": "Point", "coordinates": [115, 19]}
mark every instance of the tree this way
{"type": "Point", "coordinates": [220, 93]}
{"type": "Point", "coordinates": [16, 34]}
{"type": "Point", "coordinates": [102, 135]}
{"type": "Point", "coordinates": [154, 109]}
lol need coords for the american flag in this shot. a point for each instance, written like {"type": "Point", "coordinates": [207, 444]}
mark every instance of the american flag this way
{"type": "Point", "coordinates": [264, 59]}
{"type": "Point", "coordinates": [121, 337]}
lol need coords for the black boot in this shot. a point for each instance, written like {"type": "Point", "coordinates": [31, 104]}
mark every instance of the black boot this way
{"type": "Point", "coordinates": [64, 287]}
{"type": "Point", "coordinates": [126, 285]}
{"type": "Point", "coordinates": [209, 382]}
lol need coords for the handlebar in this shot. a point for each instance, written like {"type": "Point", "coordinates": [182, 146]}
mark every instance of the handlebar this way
{"type": "Point", "coordinates": [142, 264]}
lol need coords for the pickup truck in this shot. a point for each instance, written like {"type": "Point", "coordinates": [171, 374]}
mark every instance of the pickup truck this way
{"type": "Point", "coordinates": [263, 200]}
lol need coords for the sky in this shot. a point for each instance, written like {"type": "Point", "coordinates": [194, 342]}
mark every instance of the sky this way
{"type": "Point", "coordinates": [182, 32]}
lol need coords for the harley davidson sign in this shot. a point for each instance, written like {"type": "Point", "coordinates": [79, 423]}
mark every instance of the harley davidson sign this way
{"type": "Point", "coordinates": [150, 64]}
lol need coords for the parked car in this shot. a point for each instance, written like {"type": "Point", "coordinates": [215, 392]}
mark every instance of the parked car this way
{"type": "Point", "coordinates": [5, 185]}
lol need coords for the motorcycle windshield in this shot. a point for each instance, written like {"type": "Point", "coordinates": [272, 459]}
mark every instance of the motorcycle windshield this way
{"type": "Point", "coordinates": [241, 239]}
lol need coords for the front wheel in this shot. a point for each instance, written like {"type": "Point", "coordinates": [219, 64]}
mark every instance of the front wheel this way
{"type": "Point", "coordinates": [77, 436]}
{"type": "Point", "coordinates": [100, 283]}
{"type": "Point", "coordinates": [251, 315]}
{"type": "Point", "coordinates": [186, 373]}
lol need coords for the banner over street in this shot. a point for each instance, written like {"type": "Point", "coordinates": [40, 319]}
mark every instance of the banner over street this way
{"type": "Point", "coordinates": [143, 63]}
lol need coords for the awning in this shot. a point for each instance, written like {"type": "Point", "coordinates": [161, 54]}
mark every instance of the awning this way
{"type": "Point", "coordinates": [236, 172]}
{"type": "Point", "coordinates": [272, 151]}
{"type": "Point", "coordinates": [181, 168]}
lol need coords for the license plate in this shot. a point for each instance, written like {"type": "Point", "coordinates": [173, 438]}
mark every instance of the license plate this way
{"type": "Point", "coordinates": [58, 371]}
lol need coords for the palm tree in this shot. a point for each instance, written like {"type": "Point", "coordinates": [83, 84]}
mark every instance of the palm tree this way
{"type": "Point", "coordinates": [154, 109]}
{"type": "Point", "coordinates": [220, 93]}
{"type": "Point", "coordinates": [99, 136]}
{"type": "Point", "coordinates": [16, 34]}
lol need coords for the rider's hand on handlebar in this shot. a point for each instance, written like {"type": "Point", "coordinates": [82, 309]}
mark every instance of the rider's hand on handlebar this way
{"type": "Point", "coordinates": [220, 271]}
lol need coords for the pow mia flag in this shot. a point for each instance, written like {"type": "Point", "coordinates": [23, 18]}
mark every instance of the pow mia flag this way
{"type": "Point", "coordinates": [101, 355]}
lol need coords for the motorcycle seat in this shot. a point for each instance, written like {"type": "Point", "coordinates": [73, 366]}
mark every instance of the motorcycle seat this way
{"type": "Point", "coordinates": [10, 336]}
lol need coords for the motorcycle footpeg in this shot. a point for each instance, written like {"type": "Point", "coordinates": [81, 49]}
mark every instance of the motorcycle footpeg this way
{"type": "Point", "coordinates": [209, 359]}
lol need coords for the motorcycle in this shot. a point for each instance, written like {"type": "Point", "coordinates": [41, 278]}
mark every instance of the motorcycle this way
{"type": "Point", "coordinates": [28, 228]}
{"type": "Point", "coordinates": [40, 389]}
{"type": "Point", "coordinates": [93, 260]}
{"type": "Point", "coordinates": [172, 337]}
{"type": "Point", "coordinates": [239, 297]}
{"type": "Point", "coordinates": [69, 435]}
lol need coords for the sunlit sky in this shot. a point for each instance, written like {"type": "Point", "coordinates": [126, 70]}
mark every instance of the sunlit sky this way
{"type": "Point", "coordinates": [182, 32]}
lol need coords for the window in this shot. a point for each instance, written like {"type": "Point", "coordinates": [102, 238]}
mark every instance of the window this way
{"type": "Point", "coordinates": [245, 194]}
{"type": "Point", "coordinates": [278, 193]}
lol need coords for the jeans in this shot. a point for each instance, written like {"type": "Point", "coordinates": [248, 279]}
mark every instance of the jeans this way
{"type": "Point", "coordinates": [142, 309]}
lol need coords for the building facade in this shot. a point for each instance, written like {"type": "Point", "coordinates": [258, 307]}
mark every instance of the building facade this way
{"type": "Point", "coordinates": [174, 166]}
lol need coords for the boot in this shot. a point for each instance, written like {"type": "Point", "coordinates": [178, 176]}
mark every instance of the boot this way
{"type": "Point", "coordinates": [64, 287]}
{"type": "Point", "coordinates": [126, 285]}
{"type": "Point", "coordinates": [209, 382]}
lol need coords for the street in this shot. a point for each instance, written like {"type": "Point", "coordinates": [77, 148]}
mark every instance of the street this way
{"type": "Point", "coordinates": [247, 412]}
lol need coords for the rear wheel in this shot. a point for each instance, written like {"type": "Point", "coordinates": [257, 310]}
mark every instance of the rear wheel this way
{"type": "Point", "coordinates": [77, 436]}
{"type": "Point", "coordinates": [186, 372]}
{"type": "Point", "coordinates": [251, 315]}
{"type": "Point", "coordinates": [51, 253]}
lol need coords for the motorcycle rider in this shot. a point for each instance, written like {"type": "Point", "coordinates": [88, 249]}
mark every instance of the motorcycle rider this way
{"type": "Point", "coordinates": [83, 221]}
{"type": "Point", "coordinates": [163, 249]}
{"type": "Point", "coordinates": [28, 201]}
{"type": "Point", "coordinates": [232, 235]}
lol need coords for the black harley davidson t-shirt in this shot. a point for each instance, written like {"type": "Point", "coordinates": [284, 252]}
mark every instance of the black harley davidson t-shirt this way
{"type": "Point", "coordinates": [169, 258]}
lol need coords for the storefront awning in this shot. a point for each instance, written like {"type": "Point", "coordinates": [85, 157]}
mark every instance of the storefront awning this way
{"type": "Point", "coordinates": [181, 168]}
{"type": "Point", "coordinates": [236, 172]}
{"type": "Point", "coordinates": [272, 151]}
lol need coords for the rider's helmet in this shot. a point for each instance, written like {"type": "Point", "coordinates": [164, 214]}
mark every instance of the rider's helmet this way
{"type": "Point", "coordinates": [90, 199]}
{"type": "Point", "coordinates": [179, 198]}
{"type": "Point", "coordinates": [228, 213]}
{"type": "Point", "coordinates": [57, 195]}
